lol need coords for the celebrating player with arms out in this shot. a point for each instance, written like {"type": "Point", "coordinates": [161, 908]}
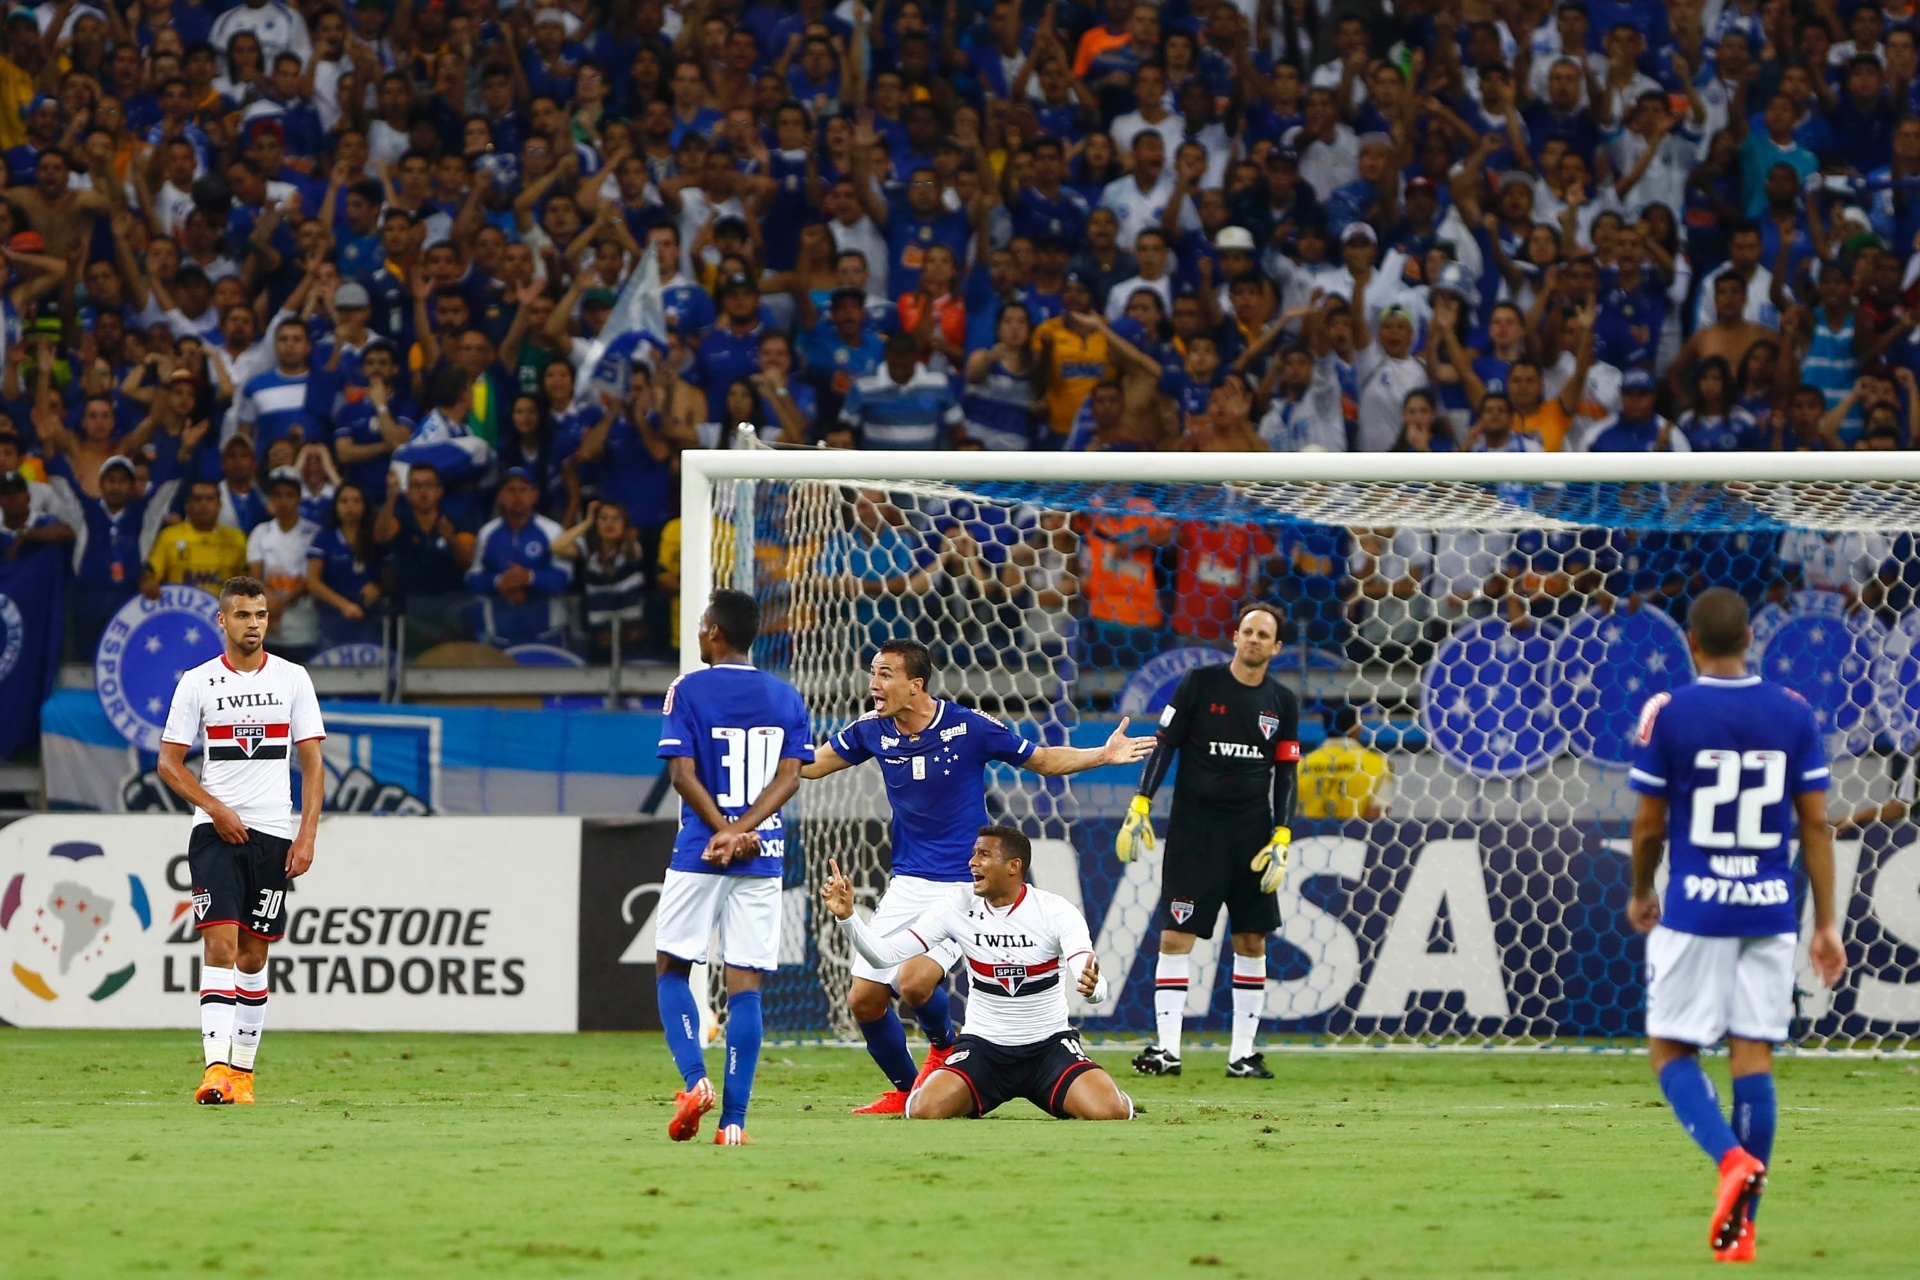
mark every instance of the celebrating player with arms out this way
{"type": "Point", "coordinates": [934, 756]}
{"type": "Point", "coordinates": [735, 739]}
{"type": "Point", "coordinates": [1018, 941]}
{"type": "Point", "coordinates": [1237, 730]}
{"type": "Point", "coordinates": [243, 848]}
{"type": "Point", "coordinates": [1723, 768]}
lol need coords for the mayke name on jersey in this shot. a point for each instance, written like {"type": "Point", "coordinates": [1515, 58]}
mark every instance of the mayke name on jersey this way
{"type": "Point", "coordinates": [1735, 893]}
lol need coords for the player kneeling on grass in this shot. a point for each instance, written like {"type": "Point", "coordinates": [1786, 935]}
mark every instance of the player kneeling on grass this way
{"type": "Point", "coordinates": [1723, 767]}
{"type": "Point", "coordinates": [1018, 942]}
{"type": "Point", "coordinates": [255, 709]}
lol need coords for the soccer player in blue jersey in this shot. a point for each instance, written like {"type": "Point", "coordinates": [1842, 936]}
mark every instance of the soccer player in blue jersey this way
{"type": "Point", "coordinates": [933, 755]}
{"type": "Point", "coordinates": [1724, 766]}
{"type": "Point", "coordinates": [735, 740]}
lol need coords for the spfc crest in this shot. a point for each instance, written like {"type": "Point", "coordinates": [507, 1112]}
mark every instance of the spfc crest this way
{"type": "Point", "coordinates": [1181, 910]}
{"type": "Point", "coordinates": [1011, 977]}
{"type": "Point", "coordinates": [248, 737]}
{"type": "Point", "coordinates": [1269, 725]}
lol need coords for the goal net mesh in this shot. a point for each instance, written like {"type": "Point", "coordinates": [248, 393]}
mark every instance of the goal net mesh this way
{"type": "Point", "coordinates": [1471, 661]}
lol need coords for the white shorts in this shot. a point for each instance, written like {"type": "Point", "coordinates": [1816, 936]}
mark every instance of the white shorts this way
{"type": "Point", "coordinates": [746, 910]}
{"type": "Point", "coordinates": [906, 897]}
{"type": "Point", "coordinates": [1700, 989]}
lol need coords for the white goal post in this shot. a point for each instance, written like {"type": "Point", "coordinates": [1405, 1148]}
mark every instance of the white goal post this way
{"type": "Point", "coordinates": [1484, 906]}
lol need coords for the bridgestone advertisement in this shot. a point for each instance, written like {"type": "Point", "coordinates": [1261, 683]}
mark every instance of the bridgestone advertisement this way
{"type": "Point", "coordinates": [415, 924]}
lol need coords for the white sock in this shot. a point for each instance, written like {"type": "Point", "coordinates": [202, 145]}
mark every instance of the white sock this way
{"type": "Point", "coordinates": [1249, 989]}
{"type": "Point", "coordinates": [249, 1017]}
{"type": "Point", "coordinates": [1170, 999]}
{"type": "Point", "coordinates": [216, 1014]}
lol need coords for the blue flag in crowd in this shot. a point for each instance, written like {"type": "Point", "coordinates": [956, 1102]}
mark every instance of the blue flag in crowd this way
{"type": "Point", "coordinates": [639, 315]}
{"type": "Point", "coordinates": [31, 614]}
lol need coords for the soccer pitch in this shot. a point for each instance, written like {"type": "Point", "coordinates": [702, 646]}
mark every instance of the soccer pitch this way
{"type": "Point", "coordinates": [392, 1154]}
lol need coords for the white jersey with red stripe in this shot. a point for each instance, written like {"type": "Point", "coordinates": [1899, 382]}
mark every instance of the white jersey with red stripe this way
{"type": "Point", "coordinates": [1021, 959]}
{"type": "Point", "coordinates": [251, 722]}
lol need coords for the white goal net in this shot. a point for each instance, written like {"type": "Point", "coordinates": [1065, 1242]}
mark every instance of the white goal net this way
{"type": "Point", "coordinates": [1472, 646]}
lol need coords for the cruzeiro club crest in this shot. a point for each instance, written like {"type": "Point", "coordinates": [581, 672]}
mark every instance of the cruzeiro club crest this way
{"type": "Point", "coordinates": [12, 635]}
{"type": "Point", "coordinates": [143, 653]}
{"type": "Point", "coordinates": [61, 922]}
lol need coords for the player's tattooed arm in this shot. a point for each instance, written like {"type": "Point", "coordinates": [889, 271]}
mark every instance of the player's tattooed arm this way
{"type": "Point", "coordinates": [825, 761]}
{"type": "Point", "coordinates": [1119, 749]}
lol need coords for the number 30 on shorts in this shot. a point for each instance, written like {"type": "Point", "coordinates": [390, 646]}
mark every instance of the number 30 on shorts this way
{"type": "Point", "coordinates": [270, 900]}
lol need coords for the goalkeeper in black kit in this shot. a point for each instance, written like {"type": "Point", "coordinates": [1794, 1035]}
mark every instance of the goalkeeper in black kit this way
{"type": "Point", "coordinates": [1237, 731]}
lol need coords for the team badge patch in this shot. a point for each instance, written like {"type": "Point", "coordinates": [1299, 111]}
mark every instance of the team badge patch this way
{"type": "Point", "coordinates": [202, 901]}
{"type": "Point", "coordinates": [1181, 910]}
{"type": "Point", "coordinates": [249, 736]}
{"type": "Point", "coordinates": [1011, 977]}
{"type": "Point", "coordinates": [1269, 725]}
{"type": "Point", "coordinates": [961, 1056]}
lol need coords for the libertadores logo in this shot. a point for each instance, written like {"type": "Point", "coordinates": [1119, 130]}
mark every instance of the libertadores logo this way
{"type": "Point", "coordinates": [67, 926]}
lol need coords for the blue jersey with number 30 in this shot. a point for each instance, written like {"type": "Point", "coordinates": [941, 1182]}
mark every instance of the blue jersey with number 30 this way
{"type": "Point", "coordinates": [1729, 756]}
{"type": "Point", "coordinates": [936, 781]}
{"type": "Point", "coordinates": [738, 724]}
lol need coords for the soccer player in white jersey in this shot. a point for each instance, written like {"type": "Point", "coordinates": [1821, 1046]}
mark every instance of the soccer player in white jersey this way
{"type": "Point", "coordinates": [1022, 945]}
{"type": "Point", "coordinates": [933, 755]}
{"type": "Point", "coordinates": [253, 711]}
{"type": "Point", "coordinates": [1724, 766]}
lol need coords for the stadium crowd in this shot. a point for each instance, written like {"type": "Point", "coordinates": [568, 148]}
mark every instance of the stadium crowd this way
{"type": "Point", "coordinates": [329, 292]}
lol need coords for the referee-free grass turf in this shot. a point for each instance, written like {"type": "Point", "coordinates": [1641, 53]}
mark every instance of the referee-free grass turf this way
{"type": "Point", "coordinates": [413, 1155]}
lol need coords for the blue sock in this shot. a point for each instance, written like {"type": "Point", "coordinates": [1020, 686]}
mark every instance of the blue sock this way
{"type": "Point", "coordinates": [680, 1017]}
{"type": "Point", "coordinates": [887, 1042]}
{"type": "Point", "coordinates": [1755, 1113]}
{"type": "Point", "coordinates": [934, 1018]}
{"type": "Point", "coordinates": [743, 1055]}
{"type": "Point", "coordinates": [1694, 1104]}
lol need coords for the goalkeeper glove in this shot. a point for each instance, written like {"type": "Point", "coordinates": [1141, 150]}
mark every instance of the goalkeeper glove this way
{"type": "Point", "coordinates": [1136, 833]}
{"type": "Point", "coordinates": [1271, 861]}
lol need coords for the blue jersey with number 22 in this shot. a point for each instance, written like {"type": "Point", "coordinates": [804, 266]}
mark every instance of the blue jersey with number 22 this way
{"type": "Point", "coordinates": [936, 781]}
{"type": "Point", "coordinates": [1729, 756]}
{"type": "Point", "coordinates": [738, 724]}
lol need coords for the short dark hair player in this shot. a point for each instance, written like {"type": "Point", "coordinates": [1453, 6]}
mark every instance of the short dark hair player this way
{"type": "Point", "coordinates": [255, 711]}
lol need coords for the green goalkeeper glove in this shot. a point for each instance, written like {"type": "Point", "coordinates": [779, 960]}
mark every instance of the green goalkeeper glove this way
{"type": "Point", "coordinates": [1271, 861]}
{"type": "Point", "coordinates": [1136, 833]}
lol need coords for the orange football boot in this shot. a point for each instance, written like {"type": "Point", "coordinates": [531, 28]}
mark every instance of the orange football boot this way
{"type": "Point", "coordinates": [216, 1086]}
{"type": "Point", "coordinates": [731, 1135]}
{"type": "Point", "coordinates": [688, 1106]}
{"type": "Point", "coordinates": [241, 1083]}
{"type": "Point", "coordinates": [891, 1103]}
{"type": "Point", "coordinates": [934, 1058]}
{"type": "Point", "coordinates": [1742, 1179]}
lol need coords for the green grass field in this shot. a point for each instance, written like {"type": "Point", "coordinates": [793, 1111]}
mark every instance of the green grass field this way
{"type": "Point", "coordinates": [391, 1155]}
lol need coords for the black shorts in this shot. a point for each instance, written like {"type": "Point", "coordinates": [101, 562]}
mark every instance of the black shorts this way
{"type": "Point", "coordinates": [1040, 1072]}
{"type": "Point", "coordinates": [1209, 864]}
{"type": "Point", "coordinates": [243, 884]}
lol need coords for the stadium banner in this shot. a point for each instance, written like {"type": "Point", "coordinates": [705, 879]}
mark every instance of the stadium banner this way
{"type": "Point", "coordinates": [404, 924]}
{"type": "Point", "coordinates": [31, 610]}
{"type": "Point", "coordinates": [391, 760]}
{"type": "Point", "coordinates": [1491, 929]}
